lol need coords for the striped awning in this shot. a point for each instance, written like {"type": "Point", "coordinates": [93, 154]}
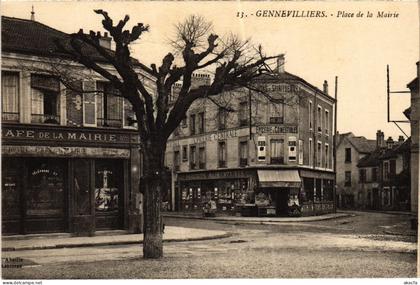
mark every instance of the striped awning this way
{"type": "Point", "coordinates": [279, 178]}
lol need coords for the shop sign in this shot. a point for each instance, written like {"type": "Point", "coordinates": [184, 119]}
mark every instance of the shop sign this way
{"type": "Point", "coordinates": [277, 129]}
{"type": "Point", "coordinates": [279, 87]}
{"type": "Point", "coordinates": [214, 175]}
{"type": "Point", "coordinates": [217, 136]}
{"type": "Point", "coordinates": [63, 135]}
{"type": "Point", "coordinates": [50, 151]}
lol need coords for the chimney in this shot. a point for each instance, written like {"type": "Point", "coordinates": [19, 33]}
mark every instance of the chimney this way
{"type": "Point", "coordinates": [400, 139]}
{"type": "Point", "coordinates": [105, 41]}
{"type": "Point", "coordinates": [389, 142]}
{"type": "Point", "coordinates": [325, 87]}
{"type": "Point", "coordinates": [33, 14]}
{"type": "Point", "coordinates": [280, 63]}
{"type": "Point", "coordinates": [380, 139]}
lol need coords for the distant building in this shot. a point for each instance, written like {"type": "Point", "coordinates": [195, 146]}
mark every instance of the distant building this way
{"type": "Point", "coordinates": [350, 149]}
{"type": "Point", "coordinates": [256, 154]}
{"type": "Point", "coordinates": [384, 176]}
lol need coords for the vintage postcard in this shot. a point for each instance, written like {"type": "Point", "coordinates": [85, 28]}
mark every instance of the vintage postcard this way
{"type": "Point", "coordinates": [229, 140]}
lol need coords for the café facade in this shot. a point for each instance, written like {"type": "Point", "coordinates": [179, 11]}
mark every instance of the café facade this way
{"type": "Point", "coordinates": [71, 158]}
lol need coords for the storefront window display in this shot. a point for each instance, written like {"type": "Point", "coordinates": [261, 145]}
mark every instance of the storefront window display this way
{"type": "Point", "coordinates": [106, 188]}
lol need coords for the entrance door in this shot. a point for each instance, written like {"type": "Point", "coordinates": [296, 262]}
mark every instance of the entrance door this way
{"type": "Point", "coordinates": [281, 196]}
{"type": "Point", "coordinates": [109, 189]}
{"type": "Point", "coordinates": [45, 196]}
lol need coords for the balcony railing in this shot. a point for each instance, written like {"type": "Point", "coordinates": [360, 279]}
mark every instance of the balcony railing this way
{"type": "Point", "coordinates": [45, 119]}
{"type": "Point", "coordinates": [115, 123]}
{"type": "Point", "coordinates": [10, 116]}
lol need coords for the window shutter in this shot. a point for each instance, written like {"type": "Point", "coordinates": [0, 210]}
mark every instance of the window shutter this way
{"type": "Point", "coordinates": [89, 104]}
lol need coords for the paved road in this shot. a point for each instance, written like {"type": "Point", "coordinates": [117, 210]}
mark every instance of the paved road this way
{"type": "Point", "coordinates": [348, 247]}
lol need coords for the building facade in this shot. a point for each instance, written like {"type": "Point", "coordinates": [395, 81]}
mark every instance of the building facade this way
{"type": "Point", "coordinates": [70, 156]}
{"type": "Point", "coordinates": [350, 149]}
{"type": "Point", "coordinates": [256, 154]}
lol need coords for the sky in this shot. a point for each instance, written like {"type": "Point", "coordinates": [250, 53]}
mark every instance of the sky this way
{"type": "Point", "coordinates": [355, 49]}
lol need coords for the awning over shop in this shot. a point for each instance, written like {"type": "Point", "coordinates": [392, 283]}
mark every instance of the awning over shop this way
{"type": "Point", "coordinates": [279, 178]}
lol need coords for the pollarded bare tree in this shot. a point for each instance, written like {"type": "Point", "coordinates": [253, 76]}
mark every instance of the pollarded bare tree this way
{"type": "Point", "coordinates": [233, 62]}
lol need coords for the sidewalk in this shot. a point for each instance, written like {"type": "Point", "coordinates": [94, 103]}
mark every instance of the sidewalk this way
{"type": "Point", "coordinates": [52, 241]}
{"type": "Point", "coordinates": [198, 215]}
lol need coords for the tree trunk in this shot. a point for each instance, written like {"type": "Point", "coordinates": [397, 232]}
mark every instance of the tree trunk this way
{"type": "Point", "coordinates": [153, 182]}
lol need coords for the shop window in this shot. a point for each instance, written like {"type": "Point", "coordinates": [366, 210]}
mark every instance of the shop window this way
{"type": "Point", "coordinates": [184, 153]}
{"type": "Point", "coordinates": [11, 203]}
{"type": "Point", "coordinates": [176, 160]}
{"type": "Point", "coordinates": [347, 155]}
{"type": "Point", "coordinates": [201, 122]}
{"type": "Point", "coordinates": [243, 153]}
{"type": "Point", "coordinates": [202, 157]}
{"type": "Point", "coordinates": [193, 159]}
{"type": "Point", "coordinates": [243, 114]}
{"type": "Point", "coordinates": [277, 151]}
{"type": "Point", "coordinates": [222, 153]}
{"type": "Point", "coordinates": [222, 118]}
{"type": "Point", "coordinates": [45, 99]}
{"type": "Point", "coordinates": [107, 187]}
{"type": "Point", "coordinates": [347, 178]}
{"type": "Point", "coordinates": [45, 195]}
{"type": "Point", "coordinates": [192, 124]}
{"type": "Point", "coordinates": [10, 96]}
{"type": "Point", "coordinates": [109, 106]}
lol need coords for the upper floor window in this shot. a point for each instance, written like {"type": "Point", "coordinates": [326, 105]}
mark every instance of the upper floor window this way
{"type": "Point", "coordinates": [276, 113]}
{"type": "Point", "coordinates": [129, 116]}
{"type": "Point", "coordinates": [347, 178]}
{"type": "Point", "coordinates": [222, 118]}
{"type": "Point", "coordinates": [374, 174]}
{"type": "Point", "coordinates": [201, 122]}
{"type": "Point", "coordinates": [243, 153]}
{"type": "Point", "coordinates": [319, 119]}
{"type": "Point", "coordinates": [177, 161]}
{"type": "Point", "coordinates": [45, 99]}
{"type": "Point", "coordinates": [327, 122]}
{"type": "Point", "coordinates": [311, 115]}
{"type": "Point", "coordinates": [193, 158]}
{"type": "Point", "coordinates": [347, 155]}
{"type": "Point", "coordinates": [184, 153]}
{"type": "Point", "coordinates": [109, 106]}
{"type": "Point", "coordinates": [192, 124]}
{"type": "Point", "coordinates": [201, 157]}
{"type": "Point", "coordinates": [392, 167]}
{"type": "Point", "coordinates": [362, 175]}
{"type": "Point", "coordinates": [386, 170]}
{"type": "Point", "coordinates": [311, 153]}
{"type": "Point", "coordinates": [277, 151]}
{"type": "Point", "coordinates": [184, 122]}
{"type": "Point", "coordinates": [222, 154]}
{"type": "Point", "coordinates": [319, 154]}
{"type": "Point", "coordinates": [243, 115]}
{"type": "Point", "coordinates": [10, 96]}
{"type": "Point", "coordinates": [327, 156]}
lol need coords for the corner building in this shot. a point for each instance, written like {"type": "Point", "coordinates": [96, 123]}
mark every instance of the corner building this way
{"type": "Point", "coordinates": [70, 159]}
{"type": "Point", "coordinates": [256, 154]}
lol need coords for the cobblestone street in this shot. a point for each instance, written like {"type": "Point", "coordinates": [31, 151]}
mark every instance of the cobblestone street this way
{"type": "Point", "coordinates": [356, 246]}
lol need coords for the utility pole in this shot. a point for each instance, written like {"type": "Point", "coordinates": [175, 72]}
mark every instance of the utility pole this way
{"type": "Point", "coordinates": [335, 144]}
{"type": "Point", "coordinates": [250, 114]}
